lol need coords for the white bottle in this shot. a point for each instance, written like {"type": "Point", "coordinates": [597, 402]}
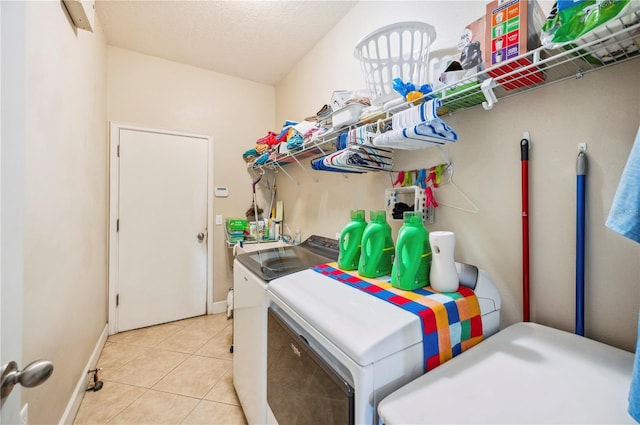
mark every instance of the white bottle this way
{"type": "Point", "coordinates": [443, 276]}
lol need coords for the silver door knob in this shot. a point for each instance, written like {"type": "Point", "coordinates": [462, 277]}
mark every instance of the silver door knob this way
{"type": "Point", "coordinates": [200, 237]}
{"type": "Point", "coordinates": [32, 375]}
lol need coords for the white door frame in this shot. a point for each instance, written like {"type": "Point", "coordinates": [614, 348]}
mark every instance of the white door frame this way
{"type": "Point", "coordinates": [114, 184]}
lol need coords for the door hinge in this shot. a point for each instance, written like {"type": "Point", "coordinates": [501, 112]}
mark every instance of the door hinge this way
{"type": "Point", "coordinates": [118, 151]}
{"type": "Point", "coordinates": [117, 300]}
{"type": "Point", "coordinates": [117, 225]}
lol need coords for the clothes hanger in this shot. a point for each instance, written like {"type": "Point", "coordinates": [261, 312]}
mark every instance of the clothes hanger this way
{"type": "Point", "coordinates": [474, 208]}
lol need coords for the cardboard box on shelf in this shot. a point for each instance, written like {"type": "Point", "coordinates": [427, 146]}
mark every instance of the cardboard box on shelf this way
{"type": "Point", "coordinates": [472, 45]}
{"type": "Point", "coordinates": [513, 29]}
{"type": "Point", "coordinates": [470, 61]}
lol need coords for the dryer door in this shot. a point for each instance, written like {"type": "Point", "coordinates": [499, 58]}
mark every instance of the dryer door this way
{"type": "Point", "coordinates": [301, 387]}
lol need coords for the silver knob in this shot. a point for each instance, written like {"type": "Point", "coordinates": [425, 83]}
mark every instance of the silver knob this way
{"type": "Point", "coordinates": [200, 237]}
{"type": "Point", "coordinates": [32, 375]}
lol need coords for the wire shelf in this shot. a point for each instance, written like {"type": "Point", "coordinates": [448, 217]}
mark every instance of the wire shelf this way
{"type": "Point", "coordinates": [616, 42]}
{"type": "Point", "coordinates": [543, 66]}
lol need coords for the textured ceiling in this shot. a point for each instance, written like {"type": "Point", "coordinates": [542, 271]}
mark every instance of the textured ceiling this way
{"type": "Point", "coordinates": [254, 40]}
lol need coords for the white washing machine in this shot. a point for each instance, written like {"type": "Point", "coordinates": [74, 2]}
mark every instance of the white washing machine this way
{"type": "Point", "coordinates": [252, 272]}
{"type": "Point", "coordinates": [527, 374]}
{"type": "Point", "coordinates": [346, 339]}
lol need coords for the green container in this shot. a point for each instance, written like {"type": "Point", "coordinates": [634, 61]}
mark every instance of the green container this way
{"type": "Point", "coordinates": [350, 241]}
{"type": "Point", "coordinates": [237, 224]}
{"type": "Point", "coordinates": [376, 258]}
{"type": "Point", "coordinates": [412, 262]}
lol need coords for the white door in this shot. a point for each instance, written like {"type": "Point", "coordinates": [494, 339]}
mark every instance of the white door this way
{"type": "Point", "coordinates": [12, 151]}
{"type": "Point", "coordinates": [12, 192]}
{"type": "Point", "coordinates": [162, 228]}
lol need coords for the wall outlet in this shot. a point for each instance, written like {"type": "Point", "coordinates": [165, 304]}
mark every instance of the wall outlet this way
{"type": "Point", "coordinates": [338, 236]}
{"type": "Point", "coordinates": [219, 219]}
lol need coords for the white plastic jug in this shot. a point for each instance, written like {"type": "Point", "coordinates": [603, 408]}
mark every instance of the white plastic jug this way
{"type": "Point", "coordinates": [443, 276]}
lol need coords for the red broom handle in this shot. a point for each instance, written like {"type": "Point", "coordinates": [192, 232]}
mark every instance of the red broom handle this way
{"type": "Point", "coordinates": [524, 156]}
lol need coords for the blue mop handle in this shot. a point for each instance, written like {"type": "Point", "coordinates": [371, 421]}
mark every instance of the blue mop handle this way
{"type": "Point", "coordinates": [581, 172]}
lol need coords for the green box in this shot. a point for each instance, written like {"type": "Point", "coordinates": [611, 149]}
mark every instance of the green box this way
{"type": "Point", "coordinates": [237, 224]}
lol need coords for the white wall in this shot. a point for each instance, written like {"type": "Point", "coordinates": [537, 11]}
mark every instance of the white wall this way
{"type": "Point", "coordinates": [602, 109]}
{"type": "Point", "coordinates": [65, 247]}
{"type": "Point", "coordinates": [151, 92]}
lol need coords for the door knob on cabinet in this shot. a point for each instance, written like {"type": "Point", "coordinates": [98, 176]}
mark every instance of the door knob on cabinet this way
{"type": "Point", "coordinates": [32, 375]}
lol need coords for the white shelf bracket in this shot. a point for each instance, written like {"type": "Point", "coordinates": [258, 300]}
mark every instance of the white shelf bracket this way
{"type": "Point", "coordinates": [487, 89]}
{"type": "Point", "coordinates": [288, 175]}
{"type": "Point", "coordinates": [305, 170]}
{"type": "Point", "coordinates": [320, 149]}
{"type": "Point", "coordinates": [536, 56]}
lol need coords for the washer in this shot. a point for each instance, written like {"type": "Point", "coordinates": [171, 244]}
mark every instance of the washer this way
{"type": "Point", "coordinates": [372, 345]}
{"type": "Point", "coordinates": [252, 273]}
{"type": "Point", "coordinates": [527, 373]}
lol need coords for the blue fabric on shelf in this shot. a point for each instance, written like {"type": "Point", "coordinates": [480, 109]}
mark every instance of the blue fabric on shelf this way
{"type": "Point", "coordinates": [318, 164]}
{"type": "Point", "coordinates": [624, 216]}
{"type": "Point", "coordinates": [262, 159]}
{"type": "Point", "coordinates": [295, 142]}
{"type": "Point", "coordinates": [634, 391]}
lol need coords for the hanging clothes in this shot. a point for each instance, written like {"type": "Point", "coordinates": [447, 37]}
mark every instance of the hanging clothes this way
{"type": "Point", "coordinates": [624, 216]}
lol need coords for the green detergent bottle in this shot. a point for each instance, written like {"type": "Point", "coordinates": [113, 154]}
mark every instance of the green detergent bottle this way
{"type": "Point", "coordinates": [350, 241]}
{"type": "Point", "coordinates": [413, 254]}
{"type": "Point", "coordinates": [376, 257]}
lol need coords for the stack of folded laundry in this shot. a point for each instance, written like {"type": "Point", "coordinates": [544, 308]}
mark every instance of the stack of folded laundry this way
{"type": "Point", "coordinates": [292, 137]}
{"type": "Point", "coordinates": [417, 128]}
{"type": "Point", "coordinates": [355, 158]}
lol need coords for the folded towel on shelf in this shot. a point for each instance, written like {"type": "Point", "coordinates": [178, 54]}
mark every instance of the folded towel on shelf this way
{"type": "Point", "coordinates": [250, 155]}
{"type": "Point", "coordinates": [362, 135]}
{"type": "Point", "coordinates": [417, 128]}
{"type": "Point", "coordinates": [341, 140]}
{"type": "Point", "coordinates": [426, 111]}
{"type": "Point", "coordinates": [355, 158]}
{"type": "Point", "coordinates": [295, 142]}
{"type": "Point", "coordinates": [423, 135]}
{"type": "Point", "coordinates": [362, 158]}
{"type": "Point", "coordinates": [319, 165]}
{"type": "Point", "coordinates": [261, 148]}
{"type": "Point", "coordinates": [262, 159]}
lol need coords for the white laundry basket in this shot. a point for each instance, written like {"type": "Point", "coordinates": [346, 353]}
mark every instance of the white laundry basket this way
{"type": "Point", "coordinates": [399, 50]}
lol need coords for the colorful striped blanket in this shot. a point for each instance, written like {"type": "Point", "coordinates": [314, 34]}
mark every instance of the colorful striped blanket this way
{"type": "Point", "coordinates": [451, 321]}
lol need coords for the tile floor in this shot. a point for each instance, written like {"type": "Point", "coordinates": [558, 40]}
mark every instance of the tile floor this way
{"type": "Point", "coordinates": [174, 373]}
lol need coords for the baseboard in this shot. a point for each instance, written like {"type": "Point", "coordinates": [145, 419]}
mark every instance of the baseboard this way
{"type": "Point", "coordinates": [219, 307]}
{"type": "Point", "coordinates": [83, 382]}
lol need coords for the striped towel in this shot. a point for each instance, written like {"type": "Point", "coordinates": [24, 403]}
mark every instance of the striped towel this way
{"type": "Point", "coordinates": [451, 321]}
{"type": "Point", "coordinates": [417, 128]}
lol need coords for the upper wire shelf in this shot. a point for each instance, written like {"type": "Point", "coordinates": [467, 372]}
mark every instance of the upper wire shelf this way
{"type": "Point", "coordinates": [543, 66]}
{"type": "Point", "coordinates": [615, 43]}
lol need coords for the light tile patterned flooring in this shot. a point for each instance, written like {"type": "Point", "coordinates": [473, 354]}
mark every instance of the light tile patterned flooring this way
{"type": "Point", "coordinates": [174, 373]}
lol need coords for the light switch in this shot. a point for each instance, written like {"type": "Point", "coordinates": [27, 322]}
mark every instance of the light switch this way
{"type": "Point", "coordinates": [221, 192]}
{"type": "Point", "coordinates": [219, 219]}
